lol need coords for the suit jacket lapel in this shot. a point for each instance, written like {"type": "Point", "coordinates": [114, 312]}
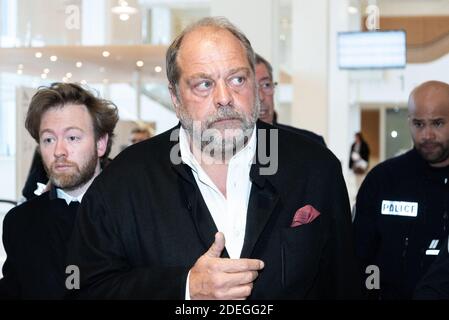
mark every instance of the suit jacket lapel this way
{"type": "Point", "coordinates": [202, 219]}
{"type": "Point", "coordinates": [263, 200]}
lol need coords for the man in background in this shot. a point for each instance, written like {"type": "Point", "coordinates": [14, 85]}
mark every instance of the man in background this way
{"type": "Point", "coordinates": [74, 131]}
{"type": "Point", "coordinates": [139, 134]}
{"type": "Point", "coordinates": [264, 78]}
{"type": "Point", "coordinates": [401, 215]}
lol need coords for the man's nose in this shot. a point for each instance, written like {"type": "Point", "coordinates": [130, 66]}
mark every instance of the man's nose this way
{"type": "Point", "coordinates": [60, 149]}
{"type": "Point", "coordinates": [222, 95]}
{"type": "Point", "coordinates": [428, 133]}
{"type": "Point", "coordinates": [262, 94]}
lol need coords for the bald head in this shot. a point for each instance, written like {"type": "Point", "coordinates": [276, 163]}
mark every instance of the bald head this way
{"type": "Point", "coordinates": [429, 95]}
{"type": "Point", "coordinates": [428, 109]}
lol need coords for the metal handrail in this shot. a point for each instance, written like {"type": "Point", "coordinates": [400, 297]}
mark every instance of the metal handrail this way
{"type": "Point", "coordinates": [9, 201]}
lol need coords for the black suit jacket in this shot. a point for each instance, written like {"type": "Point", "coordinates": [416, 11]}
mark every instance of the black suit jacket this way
{"type": "Point", "coordinates": [306, 133]}
{"type": "Point", "coordinates": [35, 237]}
{"type": "Point", "coordinates": [143, 223]}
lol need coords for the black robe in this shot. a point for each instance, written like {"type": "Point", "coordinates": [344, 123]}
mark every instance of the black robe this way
{"type": "Point", "coordinates": [35, 236]}
{"type": "Point", "coordinates": [143, 223]}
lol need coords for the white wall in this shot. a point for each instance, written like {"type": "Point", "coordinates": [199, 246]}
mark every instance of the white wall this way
{"type": "Point", "coordinates": [394, 86]}
{"type": "Point", "coordinates": [8, 174]}
{"type": "Point", "coordinates": [124, 97]}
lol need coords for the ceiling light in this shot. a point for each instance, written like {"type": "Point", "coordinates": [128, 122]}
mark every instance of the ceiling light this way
{"type": "Point", "coordinates": [83, 82]}
{"type": "Point", "coordinates": [46, 70]}
{"type": "Point", "coordinates": [157, 69]}
{"type": "Point", "coordinates": [394, 134]}
{"type": "Point", "coordinates": [352, 10]}
{"type": "Point", "coordinates": [124, 16]}
{"type": "Point", "coordinates": [44, 76]}
{"type": "Point", "coordinates": [139, 63]}
{"type": "Point", "coordinates": [65, 79]}
{"type": "Point", "coordinates": [123, 10]}
{"type": "Point", "coordinates": [79, 64]}
{"type": "Point", "coordinates": [68, 75]}
{"type": "Point", "coordinates": [38, 55]}
{"type": "Point", "coordinates": [106, 54]}
{"type": "Point", "coordinates": [20, 71]}
{"type": "Point", "coordinates": [53, 58]}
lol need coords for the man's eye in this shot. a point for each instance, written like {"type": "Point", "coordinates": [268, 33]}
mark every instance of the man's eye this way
{"type": "Point", "coordinates": [204, 85]}
{"type": "Point", "coordinates": [47, 140]}
{"type": "Point", "coordinates": [73, 138]}
{"type": "Point", "coordinates": [418, 124]}
{"type": "Point", "coordinates": [237, 81]}
{"type": "Point", "coordinates": [439, 124]}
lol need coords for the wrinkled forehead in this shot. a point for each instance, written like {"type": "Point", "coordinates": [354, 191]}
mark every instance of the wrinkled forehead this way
{"type": "Point", "coordinates": [209, 44]}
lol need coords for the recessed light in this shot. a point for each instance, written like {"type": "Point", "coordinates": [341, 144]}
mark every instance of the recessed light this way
{"type": "Point", "coordinates": [46, 70]}
{"type": "Point", "coordinates": [38, 55]}
{"type": "Point", "coordinates": [20, 71]}
{"type": "Point", "coordinates": [394, 134]}
{"type": "Point", "coordinates": [44, 76]}
{"type": "Point", "coordinates": [84, 82]}
{"type": "Point", "coordinates": [68, 75]}
{"type": "Point", "coordinates": [65, 79]}
{"type": "Point", "coordinates": [352, 10]}
{"type": "Point", "coordinates": [124, 17]}
{"type": "Point", "coordinates": [106, 54]}
{"type": "Point", "coordinates": [79, 64]}
{"type": "Point", "coordinates": [158, 69]}
{"type": "Point", "coordinates": [53, 58]}
{"type": "Point", "coordinates": [139, 63]}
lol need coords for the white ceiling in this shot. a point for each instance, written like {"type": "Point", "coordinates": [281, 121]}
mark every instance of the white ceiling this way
{"type": "Point", "coordinates": [120, 66]}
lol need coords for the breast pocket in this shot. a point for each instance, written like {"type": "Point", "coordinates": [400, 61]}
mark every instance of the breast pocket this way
{"type": "Point", "coordinates": [301, 250]}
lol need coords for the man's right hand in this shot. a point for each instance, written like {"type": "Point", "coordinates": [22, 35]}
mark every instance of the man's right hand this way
{"type": "Point", "coordinates": [213, 277]}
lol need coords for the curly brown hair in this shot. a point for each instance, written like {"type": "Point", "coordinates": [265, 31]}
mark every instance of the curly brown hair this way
{"type": "Point", "coordinates": [104, 113]}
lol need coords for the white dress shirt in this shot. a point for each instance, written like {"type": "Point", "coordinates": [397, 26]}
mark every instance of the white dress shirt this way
{"type": "Point", "coordinates": [68, 198]}
{"type": "Point", "coordinates": [228, 213]}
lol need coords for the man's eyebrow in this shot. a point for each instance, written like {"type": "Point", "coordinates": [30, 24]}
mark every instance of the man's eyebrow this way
{"type": "Point", "coordinates": [265, 79]}
{"type": "Point", "coordinates": [235, 70]}
{"type": "Point", "coordinates": [65, 130]}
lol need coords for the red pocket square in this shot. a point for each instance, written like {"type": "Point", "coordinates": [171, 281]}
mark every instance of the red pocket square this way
{"type": "Point", "coordinates": [304, 215]}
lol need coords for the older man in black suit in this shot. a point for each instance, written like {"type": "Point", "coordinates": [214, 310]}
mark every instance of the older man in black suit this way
{"type": "Point", "coordinates": [222, 206]}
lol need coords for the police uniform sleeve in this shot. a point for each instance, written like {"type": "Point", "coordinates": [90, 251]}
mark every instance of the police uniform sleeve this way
{"type": "Point", "coordinates": [96, 249]}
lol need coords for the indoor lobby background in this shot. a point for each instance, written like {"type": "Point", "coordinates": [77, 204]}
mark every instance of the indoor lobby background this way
{"type": "Point", "coordinates": [118, 48]}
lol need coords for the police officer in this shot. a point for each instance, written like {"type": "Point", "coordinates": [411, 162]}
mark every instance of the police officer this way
{"type": "Point", "coordinates": [402, 206]}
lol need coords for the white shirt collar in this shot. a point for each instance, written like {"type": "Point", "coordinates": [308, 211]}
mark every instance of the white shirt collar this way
{"type": "Point", "coordinates": [68, 198]}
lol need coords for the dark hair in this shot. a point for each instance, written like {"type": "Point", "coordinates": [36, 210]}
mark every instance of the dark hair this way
{"type": "Point", "coordinates": [260, 59]}
{"type": "Point", "coordinates": [104, 113]}
{"type": "Point", "coordinates": [172, 67]}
